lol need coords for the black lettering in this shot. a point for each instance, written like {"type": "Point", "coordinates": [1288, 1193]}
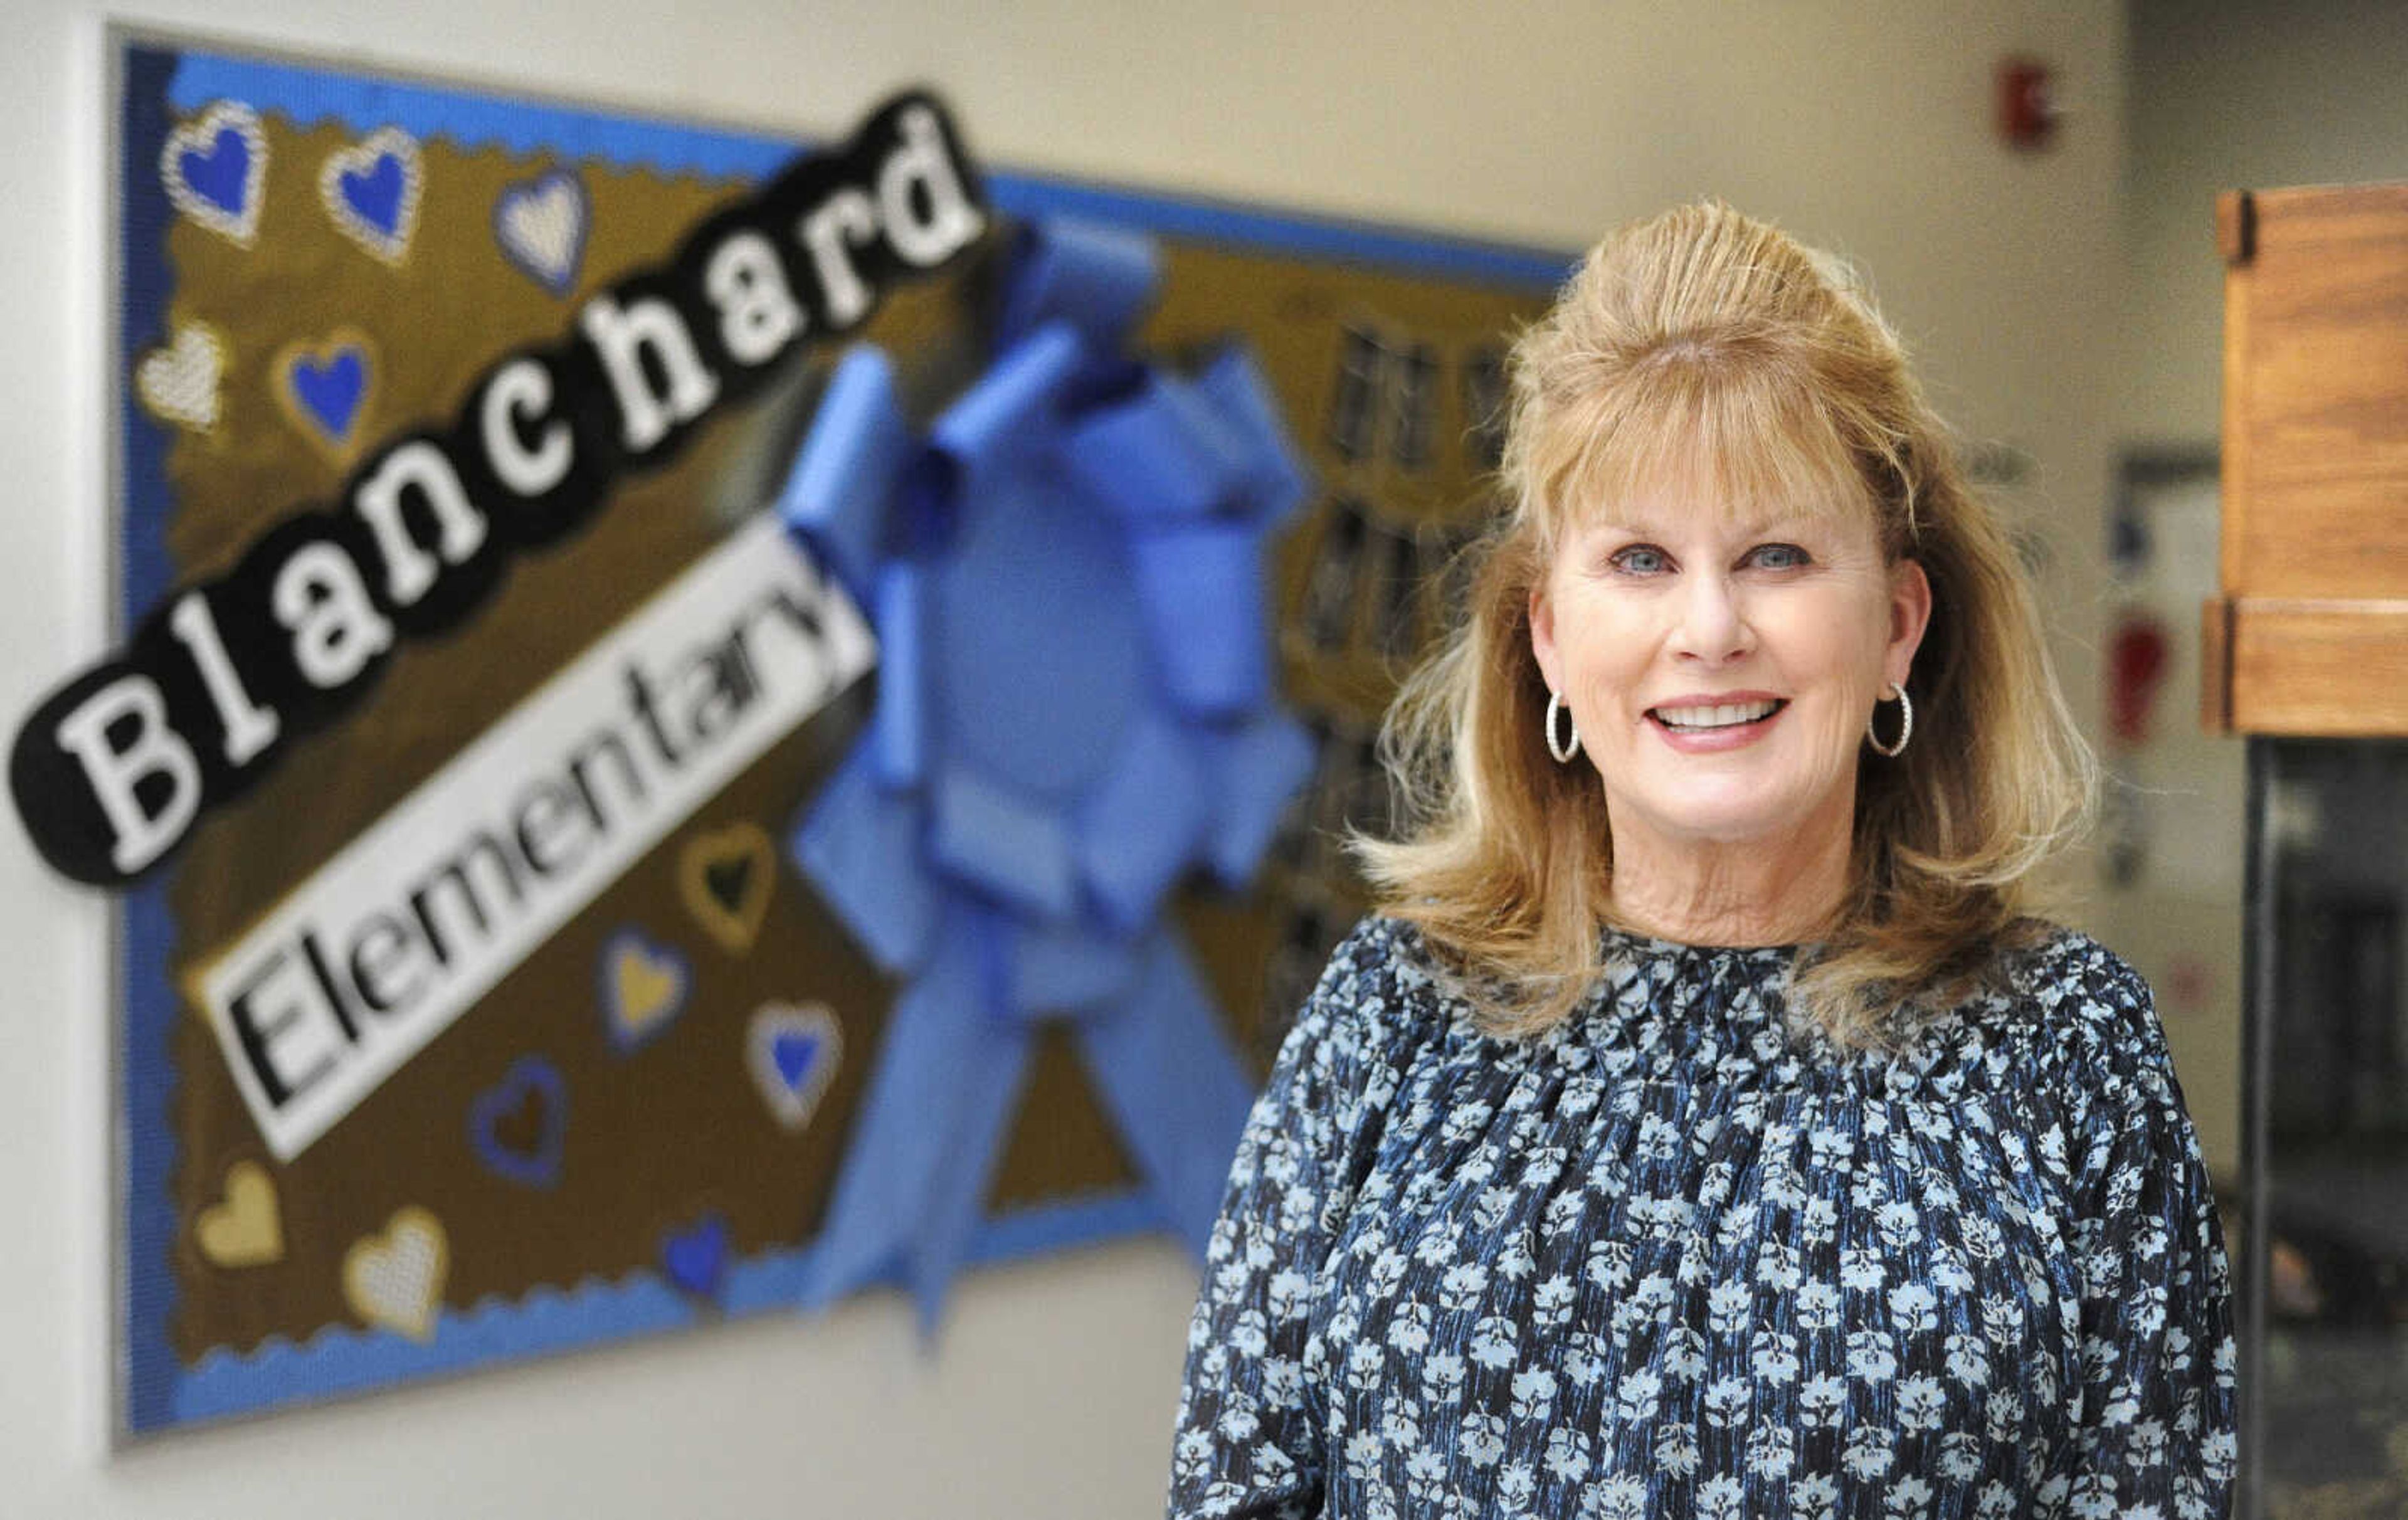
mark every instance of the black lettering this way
{"type": "Point", "coordinates": [256, 1039]}
{"type": "Point", "coordinates": [640, 697]}
{"type": "Point", "coordinates": [542, 808]}
{"type": "Point", "coordinates": [804, 615]}
{"type": "Point", "coordinates": [607, 740]}
{"type": "Point", "coordinates": [372, 958]}
{"type": "Point", "coordinates": [325, 978]}
{"type": "Point", "coordinates": [718, 685]}
{"type": "Point", "coordinates": [456, 873]}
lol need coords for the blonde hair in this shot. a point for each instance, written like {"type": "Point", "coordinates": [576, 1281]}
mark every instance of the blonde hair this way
{"type": "Point", "coordinates": [1702, 341]}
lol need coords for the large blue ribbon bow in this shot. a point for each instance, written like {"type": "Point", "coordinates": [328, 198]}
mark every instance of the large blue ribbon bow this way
{"type": "Point", "coordinates": [1074, 709]}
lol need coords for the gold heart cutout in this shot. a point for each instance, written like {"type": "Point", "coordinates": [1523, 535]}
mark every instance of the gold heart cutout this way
{"type": "Point", "coordinates": [725, 879]}
{"type": "Point", "coordinates": [646, 988]}
{"type": "Point", "coordinates": [247, 1229]}
{"type": "Point", "coordinates": [395, 1278]}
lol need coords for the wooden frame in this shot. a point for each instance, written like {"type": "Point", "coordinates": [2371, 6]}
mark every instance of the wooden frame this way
{"type": "Point", "coordinates": [2310, 634]}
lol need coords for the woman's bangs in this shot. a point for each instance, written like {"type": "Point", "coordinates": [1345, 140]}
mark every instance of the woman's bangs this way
{"type": "Point", "coordinates": [1745, 453]}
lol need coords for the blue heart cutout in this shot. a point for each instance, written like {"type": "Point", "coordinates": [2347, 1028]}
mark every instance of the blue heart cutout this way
{"type": "Point", "coordinates": [331, 392]}
{"type": "Point", "coordinates": [375, 194]}
{"type": "Point", "coordinates": [218, 174]}
{"type": "Point", "coordinates": [696, 1258]}
{"type": "Point", "coordinates": [795, 1055]}
{"type": "Point", "coordinates": [221, 174]}
{"type": "Point", "coordinates": [531, 1079]}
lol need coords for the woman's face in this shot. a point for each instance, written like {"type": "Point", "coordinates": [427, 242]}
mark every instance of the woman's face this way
{"type": "Point", "coordinates": [1722, 666]}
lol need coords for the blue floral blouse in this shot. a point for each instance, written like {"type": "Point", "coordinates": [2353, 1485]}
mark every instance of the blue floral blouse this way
{"type": "Point", "coordinates": [1669, 1260]}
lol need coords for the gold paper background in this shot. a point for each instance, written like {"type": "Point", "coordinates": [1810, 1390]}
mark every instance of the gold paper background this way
{"type": "Point", "coordinates": [658, 1136]}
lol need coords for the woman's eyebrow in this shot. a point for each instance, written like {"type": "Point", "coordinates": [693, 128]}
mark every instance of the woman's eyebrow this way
{"type": "Point", "coordinates": [1789, 520]}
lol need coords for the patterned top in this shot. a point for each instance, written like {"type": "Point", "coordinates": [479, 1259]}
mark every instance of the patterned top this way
{"type": "Point", "coordinates": [1670, 1259]}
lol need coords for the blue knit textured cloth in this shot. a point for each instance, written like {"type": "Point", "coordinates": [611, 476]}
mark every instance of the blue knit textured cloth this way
{"type": "Point", "coordinates": [1673, 1258]}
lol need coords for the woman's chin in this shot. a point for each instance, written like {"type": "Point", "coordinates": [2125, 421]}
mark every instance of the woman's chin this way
{"type": "Point", "coordinates": [1719, 819]}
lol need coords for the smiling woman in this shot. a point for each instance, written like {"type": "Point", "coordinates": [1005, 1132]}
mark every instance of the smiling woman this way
{"type": "Point", "coordinates": [1727, 487]}
{"type": "Point", "coordinates": [1706, 1127]}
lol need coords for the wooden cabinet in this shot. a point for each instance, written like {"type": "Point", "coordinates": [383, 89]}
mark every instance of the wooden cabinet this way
{"type": "Point", "coordinates": [2310, 634]}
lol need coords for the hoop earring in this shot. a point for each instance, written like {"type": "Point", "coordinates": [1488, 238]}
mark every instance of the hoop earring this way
{"type": "Point", "coordinates": [1905, 726]}
{"type": "Point", "coordinates": [1563, 751]}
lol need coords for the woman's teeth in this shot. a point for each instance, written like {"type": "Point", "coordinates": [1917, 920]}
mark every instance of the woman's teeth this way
{"type": "Point", "coordinates": [1723, 716]}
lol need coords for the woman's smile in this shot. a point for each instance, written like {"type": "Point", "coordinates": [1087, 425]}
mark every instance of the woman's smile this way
{"type": "Point", "coordinates": [1703, 724]}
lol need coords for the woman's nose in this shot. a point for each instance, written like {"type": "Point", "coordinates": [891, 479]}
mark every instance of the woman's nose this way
{"type": "Point", "coordinates": [1713, 625]}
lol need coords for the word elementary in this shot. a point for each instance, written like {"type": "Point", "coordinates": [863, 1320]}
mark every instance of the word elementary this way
{"type": "Point", "coordinates": [111, 770]}
{"type": "Point", "coordinates": [414, 921]}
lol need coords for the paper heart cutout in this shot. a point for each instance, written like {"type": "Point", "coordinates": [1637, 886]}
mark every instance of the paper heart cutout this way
{"type": "Point", "coordinates": [371, 190]}
{"type": "Point", "coordinates": [247, 1228]}
{"type": "Point", "coordinates": [519, 1124]}
{"type": "Point", "coordinates": [644, 988]}
{"type": "Point", "coordinates": [540, 224]}
{"type": "Point", "coordinates": [395, 1279]}
{"type": "Point", "coordinates": [695, 1259]}
{"type": "Point", "coordinates": [794, 1051]}
{"type": "Point", "coordinates": [725, 879]}
{"type": "Point", "coordinates": [215, 169]}
{"type": "Point", "coordinates": [324, 389]}
{"type": "Point", "coordinates": [179, 383]}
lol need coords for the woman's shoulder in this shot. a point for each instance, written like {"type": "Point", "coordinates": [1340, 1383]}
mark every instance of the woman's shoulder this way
{"type": "Point", "coordinates": [2053, 966]}
{"type": "Point", "coordinates": [1383, 963]}
{"type": "Point", "coordinates": [2088, 1017]}
{"type": "Point", "coordinates": [1384, 984]}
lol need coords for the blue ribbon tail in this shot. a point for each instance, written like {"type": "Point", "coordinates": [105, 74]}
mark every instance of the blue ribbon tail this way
{"type": "Point", "coordinates": [957, 1197]}
{"type": "Point", "coordinates": [914, 1162]}
{"type": "Point", "coordinates": [1177, 1094]}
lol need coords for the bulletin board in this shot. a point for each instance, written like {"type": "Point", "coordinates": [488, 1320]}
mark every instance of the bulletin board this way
{"type": "Point", "coordinates": [704, 723]}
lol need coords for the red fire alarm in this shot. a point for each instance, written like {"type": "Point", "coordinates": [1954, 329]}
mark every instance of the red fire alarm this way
{"type": "Point", "coordinates": [2028, 114]}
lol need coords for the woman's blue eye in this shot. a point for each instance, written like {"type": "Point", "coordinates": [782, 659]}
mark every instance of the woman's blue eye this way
{"type": "Point", "coordinates": [1780, 557]}
{"type": "Point", "coordinates": [1639, 559]}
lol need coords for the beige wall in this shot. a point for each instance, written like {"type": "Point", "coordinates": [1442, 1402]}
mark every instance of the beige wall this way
{"type": "Point", "coordinates": [1862, 126]}
{"type": "Point", "coordinates": [2241, 93]}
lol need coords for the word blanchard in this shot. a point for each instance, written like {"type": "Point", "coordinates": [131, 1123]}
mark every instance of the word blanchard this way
{"type": "Point", "coordinates": [111, 770]}
{"type": "Point", "coordinates": [418, 918]}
